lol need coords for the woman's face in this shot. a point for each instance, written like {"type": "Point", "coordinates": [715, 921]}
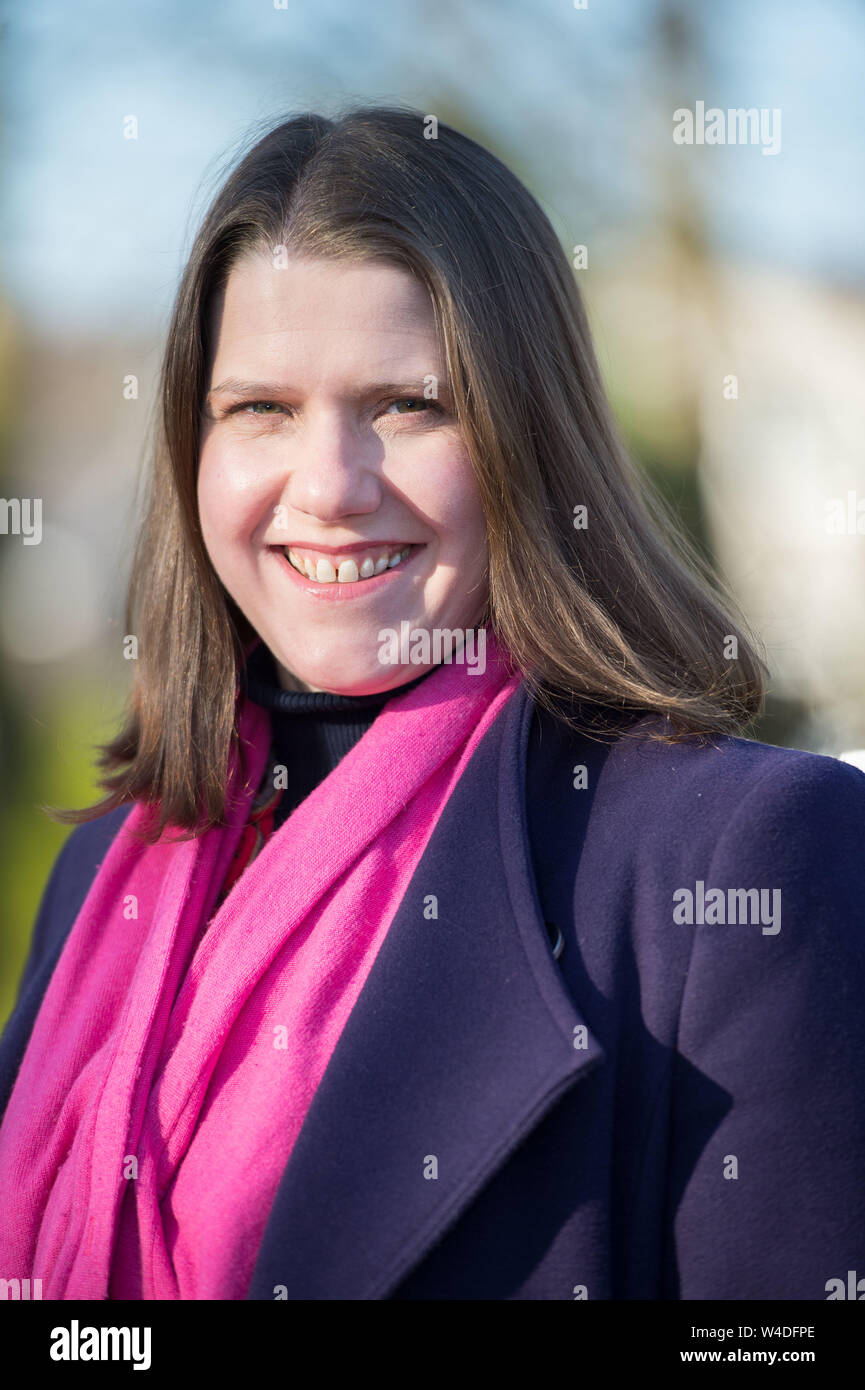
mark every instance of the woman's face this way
{"type": "Point", "coordinates": [328, 432]}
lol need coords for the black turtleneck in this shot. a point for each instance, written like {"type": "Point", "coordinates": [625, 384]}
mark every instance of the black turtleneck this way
{"type": "Point", "coordinates": [311, 730]}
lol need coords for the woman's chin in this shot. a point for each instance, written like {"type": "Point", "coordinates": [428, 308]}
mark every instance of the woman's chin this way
{"type": "Point", "coordinates": [362, 680]}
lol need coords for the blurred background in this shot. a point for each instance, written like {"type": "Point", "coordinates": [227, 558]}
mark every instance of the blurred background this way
{"type": "Point", "coordinates": [725, 286]}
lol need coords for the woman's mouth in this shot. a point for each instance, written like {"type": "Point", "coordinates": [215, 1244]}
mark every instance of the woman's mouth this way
{"type": "Point", "coordinates": [346, 569]}
{"type": "Point", "coordinates": [347, 574]}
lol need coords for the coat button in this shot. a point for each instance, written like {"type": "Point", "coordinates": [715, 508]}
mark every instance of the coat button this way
{"type": "Point", "coordinates": [556, 939]}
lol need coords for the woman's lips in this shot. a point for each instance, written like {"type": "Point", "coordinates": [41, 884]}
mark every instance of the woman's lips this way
{"type": "Point", "coordinates": [334, 591]}
{"type": "Point", "coordinates": [346, 566]}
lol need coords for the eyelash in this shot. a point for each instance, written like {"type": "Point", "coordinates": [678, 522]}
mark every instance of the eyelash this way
{"type": "Point", "coordinates": [397, 400]}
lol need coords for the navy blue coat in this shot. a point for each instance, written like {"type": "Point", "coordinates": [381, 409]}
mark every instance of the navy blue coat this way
{"type": "Point", "coordinates": [659, 1110]}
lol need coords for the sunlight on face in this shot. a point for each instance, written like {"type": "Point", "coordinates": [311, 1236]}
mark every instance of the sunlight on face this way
{"type": "Point", "coordinates": [328, 432]}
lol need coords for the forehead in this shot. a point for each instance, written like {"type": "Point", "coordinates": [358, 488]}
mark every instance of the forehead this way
{"type": "Point", "coordinates": [322, 318]}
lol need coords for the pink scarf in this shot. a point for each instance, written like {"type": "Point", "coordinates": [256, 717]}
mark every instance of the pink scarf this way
{"type": "Point", "coordinates": [170, 1069]}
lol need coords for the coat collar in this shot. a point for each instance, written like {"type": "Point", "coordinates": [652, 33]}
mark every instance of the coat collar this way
{"type": "Point", "coordinates": [460, 1042]}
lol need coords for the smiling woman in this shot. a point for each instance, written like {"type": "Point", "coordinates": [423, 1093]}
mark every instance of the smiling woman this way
{"type": "Point", "coordinates": [368, 978]}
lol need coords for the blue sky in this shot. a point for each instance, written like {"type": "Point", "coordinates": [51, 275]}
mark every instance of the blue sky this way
{"type": "Point", "coordinates": [94, 227]}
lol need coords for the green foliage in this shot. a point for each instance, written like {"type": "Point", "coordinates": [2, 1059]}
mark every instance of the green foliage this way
{"type": "Point", "coordinates": [53, 764]}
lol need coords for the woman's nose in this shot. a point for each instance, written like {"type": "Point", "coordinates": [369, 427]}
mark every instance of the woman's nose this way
{"type": "Point", "coordinates": [332, 470]}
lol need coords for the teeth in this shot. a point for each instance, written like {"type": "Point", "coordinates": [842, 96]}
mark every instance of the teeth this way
{"type": "Point", "coordinates": [323, 571]}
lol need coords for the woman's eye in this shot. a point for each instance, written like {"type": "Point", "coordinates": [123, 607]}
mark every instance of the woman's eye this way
{"type": "Point", "coordinates": [256, 410]}
{"type": "Point", "coordinates": [414, 404]}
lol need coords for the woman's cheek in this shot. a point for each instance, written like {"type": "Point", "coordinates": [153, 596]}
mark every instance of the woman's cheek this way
{"type": "Point", "coordinates": [439, 483]}
{"type": "Point", "coordinates": [229, 504]}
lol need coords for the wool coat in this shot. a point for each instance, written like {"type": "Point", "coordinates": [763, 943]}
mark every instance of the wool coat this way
{"type": "Point", "coordinates": [553, 1084]}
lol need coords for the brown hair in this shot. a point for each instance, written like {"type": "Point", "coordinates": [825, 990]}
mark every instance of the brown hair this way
{"type": "Point", "coordinates": [622, 615]}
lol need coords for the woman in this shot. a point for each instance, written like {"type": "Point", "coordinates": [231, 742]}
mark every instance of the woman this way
{"type": "Point", "coordinates": [439, 936]}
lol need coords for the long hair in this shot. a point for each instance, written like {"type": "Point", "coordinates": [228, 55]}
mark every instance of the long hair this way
{"type": "Point", "coordinates": [619, 614]}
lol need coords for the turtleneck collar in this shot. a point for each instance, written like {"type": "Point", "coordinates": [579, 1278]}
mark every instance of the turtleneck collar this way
{"type": "Point", "coordinates": [312, 730]}
{"type": "Point", "coordinates": [262, 686]}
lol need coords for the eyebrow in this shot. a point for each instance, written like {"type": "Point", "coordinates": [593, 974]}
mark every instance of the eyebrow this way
{"type": "Point", "coordinates": [236, 387]}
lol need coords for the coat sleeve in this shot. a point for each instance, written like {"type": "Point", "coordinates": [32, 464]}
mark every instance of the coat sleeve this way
{"type": "Point", "coordinates": [766, 1198]}
{"type": "Point", "coordinates": [45, 927]}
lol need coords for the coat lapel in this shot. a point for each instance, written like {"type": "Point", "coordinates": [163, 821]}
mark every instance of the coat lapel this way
{"type": "Point", "coordinates": [460, 1042]}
